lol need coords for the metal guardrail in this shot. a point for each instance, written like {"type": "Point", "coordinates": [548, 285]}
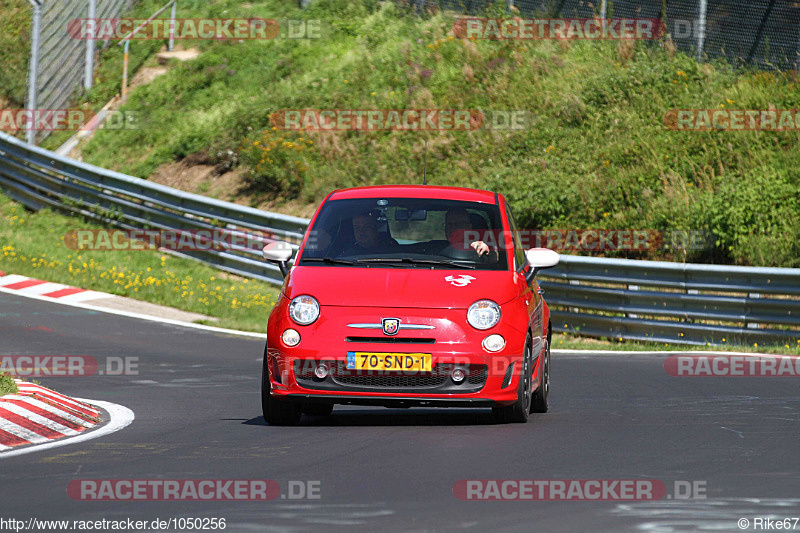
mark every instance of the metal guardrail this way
{"type": "Point", "coordinates": [618, 298]}
{"type": "Point", "coordinates": [39, 178]}
{"type": "Point", "coordinates": [674, 302]}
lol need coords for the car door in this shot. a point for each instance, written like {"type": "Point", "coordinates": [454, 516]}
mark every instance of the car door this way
{"type": "Point", "coordinates": [529, 291]}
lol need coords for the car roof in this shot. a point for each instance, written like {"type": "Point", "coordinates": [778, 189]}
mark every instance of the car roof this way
{"type": "Point", "coordinates": [416, 191]}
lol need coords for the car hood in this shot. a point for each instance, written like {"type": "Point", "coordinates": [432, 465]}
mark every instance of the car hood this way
{"type": "Point", "coordinates": [400, 287]}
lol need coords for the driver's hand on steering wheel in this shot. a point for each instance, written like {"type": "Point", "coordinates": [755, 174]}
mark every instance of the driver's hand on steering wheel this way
{"type": "Point", "coordinates": [480, 247]}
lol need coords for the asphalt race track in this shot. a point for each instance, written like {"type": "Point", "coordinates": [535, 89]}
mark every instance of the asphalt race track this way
{"type": "Point", "coordinates": [196, 401]}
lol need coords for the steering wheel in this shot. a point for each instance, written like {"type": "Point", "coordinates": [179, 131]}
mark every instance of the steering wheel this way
{"type": "Point", "coordinates": [470, 254]}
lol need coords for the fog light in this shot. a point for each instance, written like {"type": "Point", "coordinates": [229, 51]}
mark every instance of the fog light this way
{"type": "Point", "coordinates": [321, 371]}
{"type": "Point", "coordinates": [290, 337]}
{"type": "Point", "coordinates": [494, 343]}
{"type": "Point", "coordinates": [458, 375]}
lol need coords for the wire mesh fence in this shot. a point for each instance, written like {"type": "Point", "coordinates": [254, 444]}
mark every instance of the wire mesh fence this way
{"type": "Point", "coordinates": [764, 34]}
{"type": "Point", "coordinates": [57, 66]}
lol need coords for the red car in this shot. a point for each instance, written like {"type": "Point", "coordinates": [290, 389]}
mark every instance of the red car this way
{"type": "Point", "coordinates": [405, 296]}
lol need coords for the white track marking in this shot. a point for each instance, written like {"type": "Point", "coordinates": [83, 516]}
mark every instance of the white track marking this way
{"type": "Point", "coordinates": [84, 296]}
{"type": "Point", "coordinates": [52, 395]}
{"type": "Point", "coordinates": [10, 279]}
{"type": "Point", "coordinates": [43, 288]}
{"type": "Point", "coordinates": [134, 315]}
{"type": "Point", "coordinates": [21, 432]}
{"type": "Point", "coordinates": [39, 419]}
{"type": "Point", "coordinates": [50, 408]}
{"type": "Point", "coordinates": [121, 417]}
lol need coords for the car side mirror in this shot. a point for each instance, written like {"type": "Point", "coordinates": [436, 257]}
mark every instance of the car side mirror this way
{"type": "Point", "coordinates": [279, 252]}
{"type": "Point", "coordinates": [539, 259]}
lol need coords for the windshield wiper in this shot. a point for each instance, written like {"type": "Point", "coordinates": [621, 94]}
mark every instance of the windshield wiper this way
{"type": "Point", "coordinates": [330, 260]}
{"type": "Point", "coordinates": [408, 260]}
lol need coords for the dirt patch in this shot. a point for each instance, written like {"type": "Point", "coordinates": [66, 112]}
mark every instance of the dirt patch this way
{"type": "Point", "coordinates": [180, 55]}
{"type": "Point", "coordinates": [145, 75]}
{"type": "Point", "coordinates": [294, 208]}
{"type": "Point", "coordinates": [193, 175]}
{"type": "Point", "coordinates": [201, 179]}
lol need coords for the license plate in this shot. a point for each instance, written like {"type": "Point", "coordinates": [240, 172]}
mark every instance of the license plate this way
{"type": "Point", "coordinates": [420, 362]}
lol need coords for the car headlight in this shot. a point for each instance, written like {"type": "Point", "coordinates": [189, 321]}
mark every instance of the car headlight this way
{"type": "Point", "coordinates": [304, 310]}
{"type": "Point", "coordinates": [483, 314]}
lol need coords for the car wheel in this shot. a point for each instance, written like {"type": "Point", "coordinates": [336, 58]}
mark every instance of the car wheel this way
{"type": "Point", "coordinates": [276, 412]}
{"type": "Point", "coordinates": [318, 409]}
{"type": "Point", "coordinates": [541, 398]}
{"type": "Point", "coordinates": [519, 410]}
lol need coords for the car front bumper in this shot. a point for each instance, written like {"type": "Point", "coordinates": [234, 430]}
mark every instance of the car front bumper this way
{"type": "Point", "coordinates": [451, 342]}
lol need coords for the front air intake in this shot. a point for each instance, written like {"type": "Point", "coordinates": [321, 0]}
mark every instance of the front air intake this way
{"type": "Point", "coordinates": [509, 374]}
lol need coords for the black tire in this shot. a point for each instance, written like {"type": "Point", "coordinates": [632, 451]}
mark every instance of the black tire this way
{"type": "Point", "coordinates": [520, 410]}
{"type": "Point", "coordinates": [541, 398]}
{"type": "Point", "coordinates": [318, 409]}
{"type": "Point", "coordinates": [276, 412]}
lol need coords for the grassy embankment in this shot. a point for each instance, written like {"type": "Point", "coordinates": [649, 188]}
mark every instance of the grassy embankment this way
{"type": "Point", "coordinates": [597, 154]}
{"type": "Point", "coordinates": [31, 244]}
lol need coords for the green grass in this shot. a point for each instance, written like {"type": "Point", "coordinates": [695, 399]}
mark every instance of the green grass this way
{"type": "Point", "coordinates": [31, 244]}
{"type": "Point", "coordinates": [7, 385]}
{"type": "Point", "coordinates": [597, 156]}
{"type": "Point", "coordinates": [565, 341]}
{"type": "Point", "coordinates": [15, 35]}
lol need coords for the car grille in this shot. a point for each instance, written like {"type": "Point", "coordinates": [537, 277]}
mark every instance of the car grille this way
{"type": "Point", "coordinates": [438, 380]}
{"type": "Point", "coordinates": [393, 340]}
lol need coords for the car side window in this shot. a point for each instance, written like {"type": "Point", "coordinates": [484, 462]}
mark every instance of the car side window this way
{"type": "Point", "coordinates": [519, 253]}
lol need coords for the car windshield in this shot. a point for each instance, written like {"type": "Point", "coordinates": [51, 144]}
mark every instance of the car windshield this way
{"type": "Point", "coordinates": [406, 233]}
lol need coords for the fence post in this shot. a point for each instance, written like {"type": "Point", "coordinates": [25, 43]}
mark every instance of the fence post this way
{"type": "Point", "coordinates": [125, 70]}
{"type": "Point", "coordinates": [33, 65]}
{"type": "Point", "coordinates": [701, 29]}
{"type": "Point", "coordinates": [172, 26]}
{"type": "Point", "coordinates": [88, 76]}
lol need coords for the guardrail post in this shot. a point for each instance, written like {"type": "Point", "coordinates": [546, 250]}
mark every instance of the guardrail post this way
{"type": "Point", "coordinates": [753, 325]}
{"type": "Point", "coordinates": [574, 282]}
{"type": "Point", "coordinates": [632, 288]}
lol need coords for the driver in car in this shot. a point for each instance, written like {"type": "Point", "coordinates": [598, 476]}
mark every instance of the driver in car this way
{"type": "Point", "coordinates": [368, 240]}
{"type": "Point", "coordinates": [456, 223]}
